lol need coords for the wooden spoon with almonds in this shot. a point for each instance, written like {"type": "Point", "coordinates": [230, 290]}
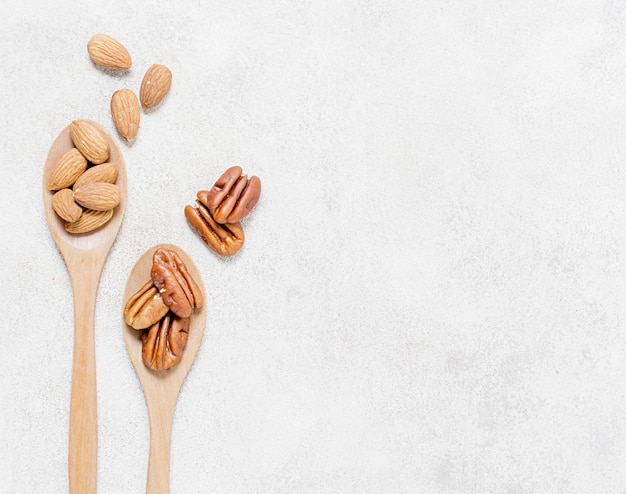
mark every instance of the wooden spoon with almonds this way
{"type": "Point", "coordinates": [84, 255]}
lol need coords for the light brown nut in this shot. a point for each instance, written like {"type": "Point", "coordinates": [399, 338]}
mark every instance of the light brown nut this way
{"type": "Point", "coordinates": [89, 221]}
{"type": "Point", "coordinates": [64, 205]}
{"type": "Point", "coordinates": [108, 52]}
{"type": "Point", "coordinates": [99, 196]}
{"type": "Point", "coordinates": [106, 172]}
{"type": "Point", "coordinates": [225, 240]}
{"type": "Point", "coordinates": [90, 141]}
{"type": "Point", "coordinates": [178, 289]}
{"type": "Point", "coordinates": [163, 344]}
{"type": "Point", "coordinates": [145, 307]}
{"type": "Point", "coordinates": [155, 85]}
{"type": "Point", "coordinates": [67, 169]}
{"type": "Point", "coordinates": [125, 113]}
{"type": "Point", "coordinates": [233, 196]}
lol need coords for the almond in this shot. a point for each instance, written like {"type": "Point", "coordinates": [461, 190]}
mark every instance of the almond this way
{"type": "Point", "coordinates": [105, 172]}
{"type": "Point", "coordinates": [125, 113]}
{"type": "Point", "coordinates": [155, 86]}
{"type": "Point", "coordinates": [90, 141]}
{"type": "Point", "coordinates": [64, 205]}
{"type": "Point", "coordinates": [108, 52]}
{"type": "Point", "coordinates": [89, 221]}
{"type": "Point", "coordinates": [67, 169]}
{"type": "Point", "coordinates": [99, 196]}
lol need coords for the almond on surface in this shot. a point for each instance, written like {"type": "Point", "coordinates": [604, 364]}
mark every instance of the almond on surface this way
{"type": "Point", "coordinates": [155, 85]}
{"type": "Point", "coordinates": [105, 172]}
{"type": "Point", "coordinates": [67, 169]}
{"type": "Point", "coordinates": [99, 196]}
{"type": "Point", "coordinates": [90, 141]}
{"type": "Point", "coordinates": [64, 205]}
{"type": "Point", "coordinates": [125, 113]}
{"type": "Point", "coordinates": [108, 52]}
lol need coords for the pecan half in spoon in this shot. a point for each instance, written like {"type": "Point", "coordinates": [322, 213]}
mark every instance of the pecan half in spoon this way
{"type": "Point", "coordinates": [176, 286]}
{"type": "Point", "coordinates": [163, 344]}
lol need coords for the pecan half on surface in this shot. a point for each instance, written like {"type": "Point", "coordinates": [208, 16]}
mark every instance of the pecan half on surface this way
{"type": "Point", "coordinates": [163, 344]}
{"type": "Point", "coordinates": [225, 239]}
{"type": "Point", "coordinates": [176, 286]}
{"type": "Point", "coordinates": [145, 307]}
{"type": "Point", "coordinates": [233, 196]}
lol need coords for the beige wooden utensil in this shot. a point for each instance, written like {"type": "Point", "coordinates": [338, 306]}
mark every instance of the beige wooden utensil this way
{"type": "Point", "coordinates": [84, 256]}
{"type": "Point", "coordinates": [161, 388]}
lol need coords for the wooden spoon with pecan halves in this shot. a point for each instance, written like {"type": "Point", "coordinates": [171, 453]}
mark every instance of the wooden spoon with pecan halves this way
{"type": "Point", "coordinates": [161, 387]}
{"type": "Point", "coordinates": [84, 255]}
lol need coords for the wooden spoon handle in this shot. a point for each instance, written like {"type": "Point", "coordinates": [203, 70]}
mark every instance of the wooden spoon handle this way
{"type": "Point", "coordinates": [159, 459]}
{"type": "Point", "coordinates": [83, 428]}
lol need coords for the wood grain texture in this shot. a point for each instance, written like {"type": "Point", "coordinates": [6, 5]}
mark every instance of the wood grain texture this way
{"type": "Point", "coordinates": [84, 256]}
{"type": "Point", "coordinates": [161, 388]}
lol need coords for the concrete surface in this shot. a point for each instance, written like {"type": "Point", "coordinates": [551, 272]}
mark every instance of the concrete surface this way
{"type": "Point", "coordinates": [431, 297]}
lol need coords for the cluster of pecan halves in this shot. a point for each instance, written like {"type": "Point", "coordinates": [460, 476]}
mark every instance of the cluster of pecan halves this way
{"type": "Point", "coordinates": [218, 212]}
{"type": "Point", "coordinates": [162, 308]}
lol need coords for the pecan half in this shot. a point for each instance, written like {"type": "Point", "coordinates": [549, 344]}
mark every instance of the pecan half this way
{"type": "Point", "coordinates": [225, 239]}
{"type": "Point", "coordinates": [178, 289]}
{"type": "Point", "coordinates": [162, 345]}
{"type": "Point", "coordinates": [233, 196]}
{"type": "Point", "coordinates": [145, 307]}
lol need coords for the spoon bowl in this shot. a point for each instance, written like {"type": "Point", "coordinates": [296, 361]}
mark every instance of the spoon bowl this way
{"type": "Point", "coordinates": [161, 388]}
{"type": "Point", "coordinates": [84, 255]}
{"type": "Point", "coordinates": [100, 240]}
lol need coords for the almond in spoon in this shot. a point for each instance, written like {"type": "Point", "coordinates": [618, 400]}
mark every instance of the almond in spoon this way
{"type": "Point", "coordinates": [67, 169]}
{"type": "Point", "coordinates": [105, 172]}
{"type": "Point", "coordinates": [90, 141]}
{"type": "Point", "coordinates": [89, 221]}
{"type": "Point", "coordinates": [64, 205]}
{"type": "Point", "coordinates": [99, 196]}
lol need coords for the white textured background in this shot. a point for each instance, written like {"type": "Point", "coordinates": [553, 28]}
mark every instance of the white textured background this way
{"type": "Point", "coordinates": [431, 298]}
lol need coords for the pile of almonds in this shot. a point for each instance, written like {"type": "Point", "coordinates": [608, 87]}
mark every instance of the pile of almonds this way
{"type": "Point", "coordinates": [162, 309]}
{"type": "Point", "coordinates": [83, 181]}
{"type": "Point", "coordinates": [218, 212]}
{"type": "Point", "coordinates": [109, 53]}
